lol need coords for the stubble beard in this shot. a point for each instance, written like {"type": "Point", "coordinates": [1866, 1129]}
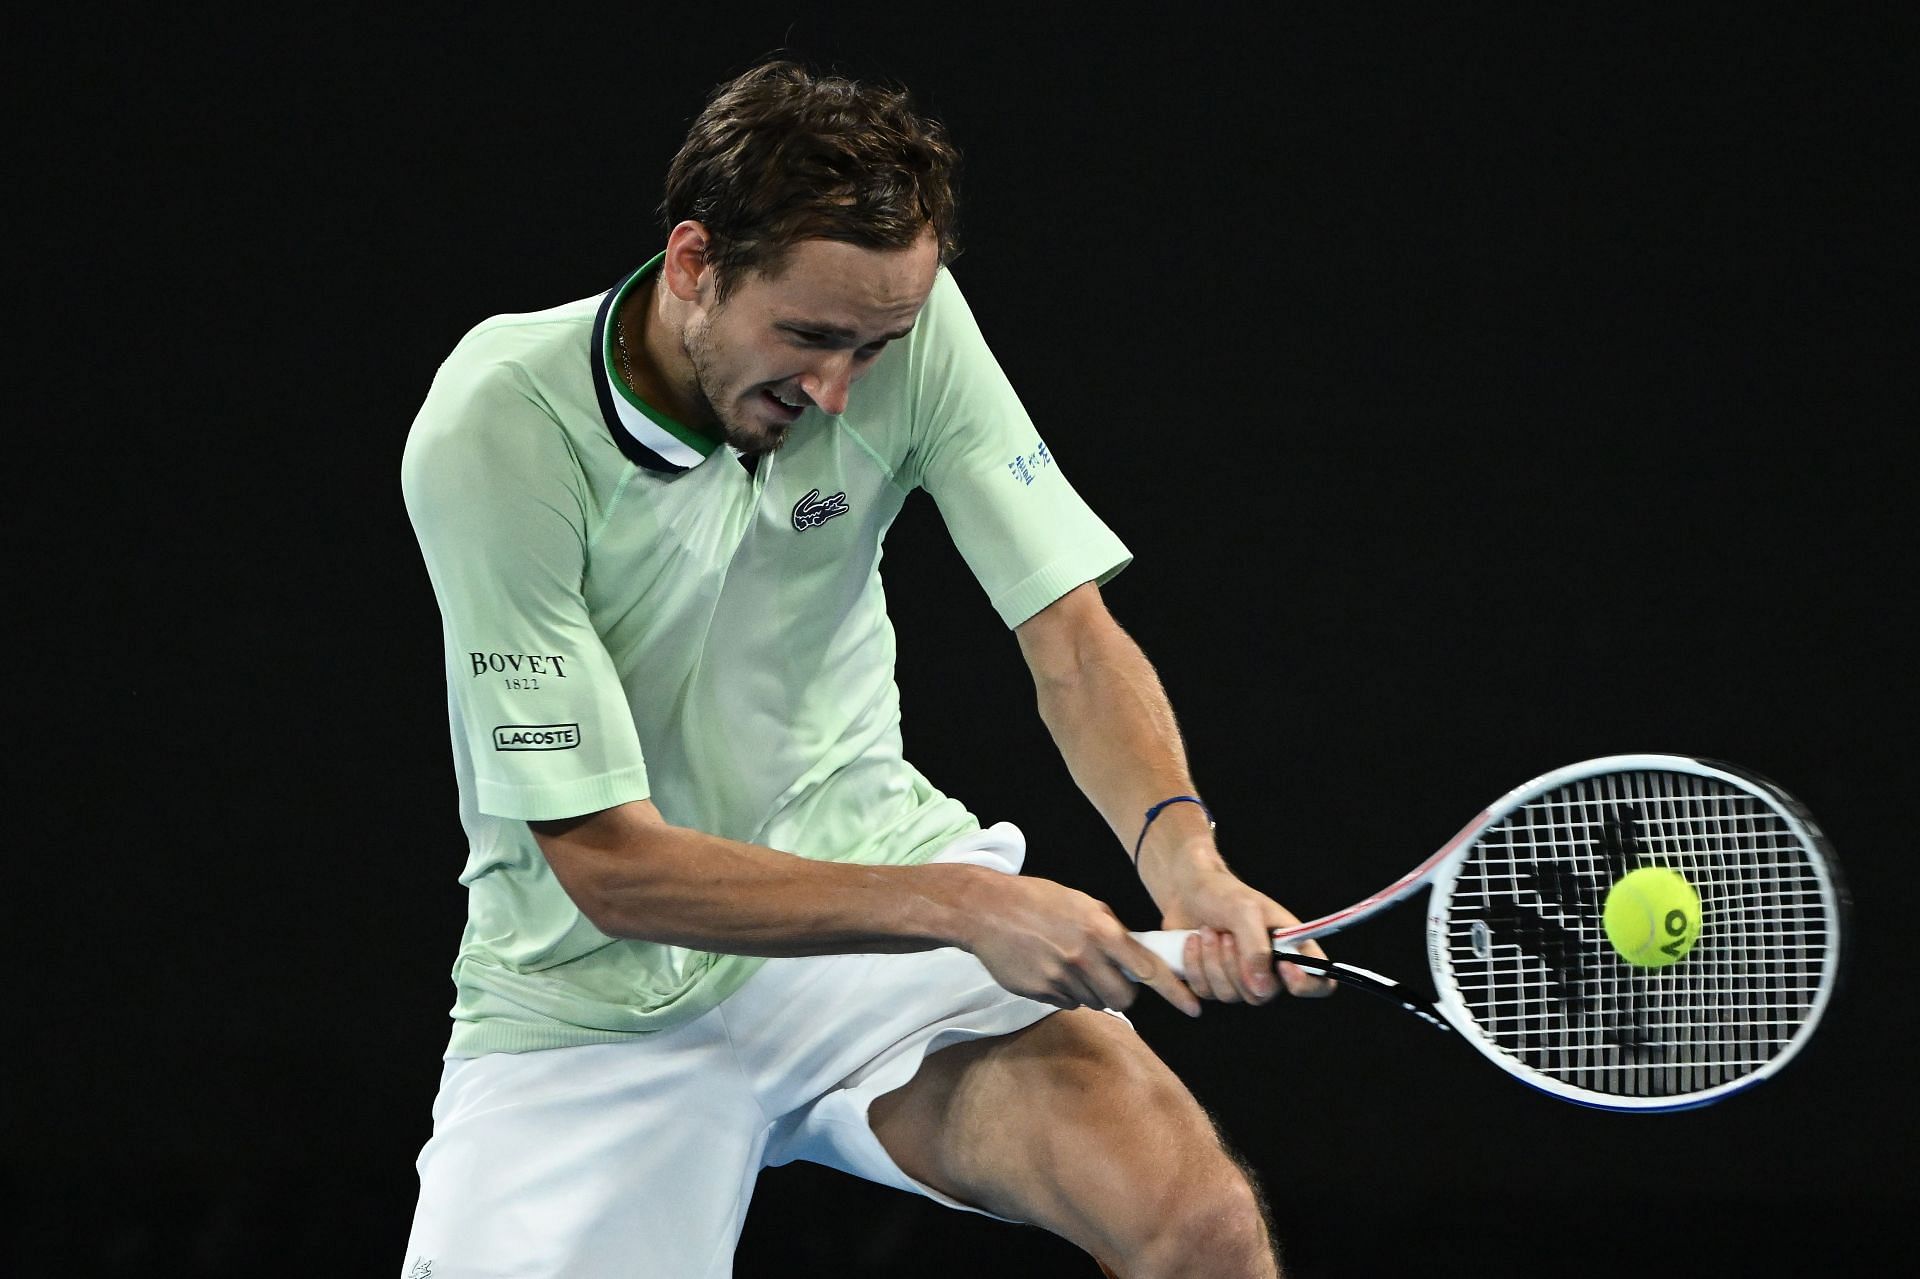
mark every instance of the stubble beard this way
{"type": "Point", "coordinates": [755, 438]}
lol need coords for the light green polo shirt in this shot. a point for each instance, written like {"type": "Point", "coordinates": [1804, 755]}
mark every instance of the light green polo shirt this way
{"type": "Point", "coordinates": [630, 613]}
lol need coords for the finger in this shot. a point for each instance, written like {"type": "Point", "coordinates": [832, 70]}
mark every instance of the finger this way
{"type": "Point", "coordinates": [1111, 984]}
{"type": "Point", "coordinates": [1302, 983]}
{"type": "Point", "coordinates": [1146, 968]}
{"type": "Point", "coordinates": [1217, 955]}
{"type": "Point", "coordinates": [1254, 973]}
{"type": "Point", "coordinates": [1080, 990]}
{"type": "Point", "coordinates": [1196, 966]}
{"type": "Point", "coordinates": [1237, 965]}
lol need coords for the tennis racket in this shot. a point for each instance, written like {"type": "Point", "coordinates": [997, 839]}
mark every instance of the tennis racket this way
{"type": "Point", "coordinates": [1521, 964]}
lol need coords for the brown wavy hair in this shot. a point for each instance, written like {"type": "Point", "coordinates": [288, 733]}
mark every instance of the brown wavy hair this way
{"type": "Point", "coordinates": [780, 155]}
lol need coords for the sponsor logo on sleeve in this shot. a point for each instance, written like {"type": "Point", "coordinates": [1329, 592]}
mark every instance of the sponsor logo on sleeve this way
{"type": "Point", "coordinates": [554, 664]}
{"type": "Point", "coordinates": [536, 737]}
{"type": "Point", "coordinates": [1027, 468]}
{"type": "Point", "coordinates": [813, 510]}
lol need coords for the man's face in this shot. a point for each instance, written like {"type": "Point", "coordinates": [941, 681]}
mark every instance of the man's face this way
{"type": "Point", "coordinates": [783, 343]}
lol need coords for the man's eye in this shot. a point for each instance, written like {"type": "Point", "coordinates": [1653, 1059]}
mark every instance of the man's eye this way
{"type": "Point", "coordinates": [872, 349]}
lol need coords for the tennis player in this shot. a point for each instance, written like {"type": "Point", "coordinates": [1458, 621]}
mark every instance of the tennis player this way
{"type": "Point", "coordinates": [716, 921]}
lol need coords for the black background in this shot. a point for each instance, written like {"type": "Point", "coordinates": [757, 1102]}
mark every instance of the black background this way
{"type": "Point", "coordinates": [1479, 391]}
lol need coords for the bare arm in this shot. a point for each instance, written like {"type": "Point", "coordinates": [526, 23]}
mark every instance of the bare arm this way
{"type": "Point", "coordinates": [634, 875]}
{"type": "Point", "coordinates": [1109, 715]}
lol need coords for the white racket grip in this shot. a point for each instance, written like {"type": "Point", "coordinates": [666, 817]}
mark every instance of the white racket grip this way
{"type": "Point", "coordinates": [1171, 947]}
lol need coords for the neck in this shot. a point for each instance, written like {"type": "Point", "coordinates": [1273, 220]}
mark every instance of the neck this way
{"type": "Point", "coordinates": [657, 367]}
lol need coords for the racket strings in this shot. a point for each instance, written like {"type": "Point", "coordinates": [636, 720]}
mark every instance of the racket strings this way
{"type": "Point", "coordinates": [1529, 957]}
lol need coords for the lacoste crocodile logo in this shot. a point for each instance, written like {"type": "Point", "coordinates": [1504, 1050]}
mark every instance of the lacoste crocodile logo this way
{"type": "Point", "coordinates": [813, 510]}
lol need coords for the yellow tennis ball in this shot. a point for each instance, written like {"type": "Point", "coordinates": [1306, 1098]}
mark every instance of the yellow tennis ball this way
{"type": "Point", "coordinates": [1652, 916]}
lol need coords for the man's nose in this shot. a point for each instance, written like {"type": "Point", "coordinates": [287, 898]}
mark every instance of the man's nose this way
{"type": "Point", "coordinates": [827, 386]}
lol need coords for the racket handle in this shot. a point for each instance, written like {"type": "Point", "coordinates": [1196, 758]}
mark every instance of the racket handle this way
{"type": "Point", "coordinates": [1170, 946]}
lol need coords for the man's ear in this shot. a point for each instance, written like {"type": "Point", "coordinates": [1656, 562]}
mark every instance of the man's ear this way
{"type": "Point", "coordinates": [685, 271]}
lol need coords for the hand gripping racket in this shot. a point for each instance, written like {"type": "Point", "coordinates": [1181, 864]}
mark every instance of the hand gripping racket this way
{"type": "Point", "coordinates": [1521, 964]}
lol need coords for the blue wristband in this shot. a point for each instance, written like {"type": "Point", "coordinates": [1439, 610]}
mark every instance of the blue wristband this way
{"type": "Point", "coordinates": [1155, 812]}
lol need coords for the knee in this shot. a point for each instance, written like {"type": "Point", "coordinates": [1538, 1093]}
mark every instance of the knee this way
{"type": "Point", "coordinates": [1191, 1208]}
{"type": "Point", "coordinates": [1215, 1224]}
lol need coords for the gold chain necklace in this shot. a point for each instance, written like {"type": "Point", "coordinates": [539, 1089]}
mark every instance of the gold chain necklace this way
{"type": "Point", "coordinates": [620, 344]}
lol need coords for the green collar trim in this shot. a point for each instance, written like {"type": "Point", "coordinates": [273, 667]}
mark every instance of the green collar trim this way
{"type": "Point", "coordinates": [673, 440]}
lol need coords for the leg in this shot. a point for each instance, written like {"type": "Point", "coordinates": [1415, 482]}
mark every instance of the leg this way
{"type": "Point", "coordinates": [613, 1161]}
{"type": "Point", "coordinates": [1074, 1125]}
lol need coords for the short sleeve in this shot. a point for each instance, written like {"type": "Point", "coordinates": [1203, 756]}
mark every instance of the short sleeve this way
{"type": "Point", "coordinates": [1022, 529]}
{"type": "Point", "coordinates": [503, 512]}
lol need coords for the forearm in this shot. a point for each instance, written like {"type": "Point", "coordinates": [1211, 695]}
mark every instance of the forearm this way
{"type": "Point", "coordinates": [1110, 718]}
{"type": "Point", "coordinates": [634, 876]}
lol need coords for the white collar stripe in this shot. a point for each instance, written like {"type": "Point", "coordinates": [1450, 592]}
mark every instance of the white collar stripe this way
{"type": "Point", "coordinates": [648, 433]}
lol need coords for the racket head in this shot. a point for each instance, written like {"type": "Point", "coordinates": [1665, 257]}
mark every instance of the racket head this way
{"type": "Point", "coordinates": [1523, 968]}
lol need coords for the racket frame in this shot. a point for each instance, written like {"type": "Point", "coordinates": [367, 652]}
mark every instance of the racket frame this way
{"type": "Point", "coordinates": [1440, 872]}
{"type": "Point", "coordinates": [1445, 870]}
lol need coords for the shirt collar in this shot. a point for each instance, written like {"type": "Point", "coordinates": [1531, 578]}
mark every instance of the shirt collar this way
{"type": "Point", "coordinates": [647, 437]}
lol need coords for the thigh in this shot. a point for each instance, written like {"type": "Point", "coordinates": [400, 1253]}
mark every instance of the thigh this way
{"type": "Point", "coordinates": [1072, 1124]}
{"type": "Point", "coordinates": [822, 1037]}
{"type": "Point", "coordinates": [607, 1160]}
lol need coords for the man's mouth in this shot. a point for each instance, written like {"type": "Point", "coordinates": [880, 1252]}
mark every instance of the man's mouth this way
{"type": "Point", "coordinates": [787, 410]}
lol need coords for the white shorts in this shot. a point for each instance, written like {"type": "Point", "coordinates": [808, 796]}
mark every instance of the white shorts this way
{"type": "Point", "coordinates": [637, 1159]}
